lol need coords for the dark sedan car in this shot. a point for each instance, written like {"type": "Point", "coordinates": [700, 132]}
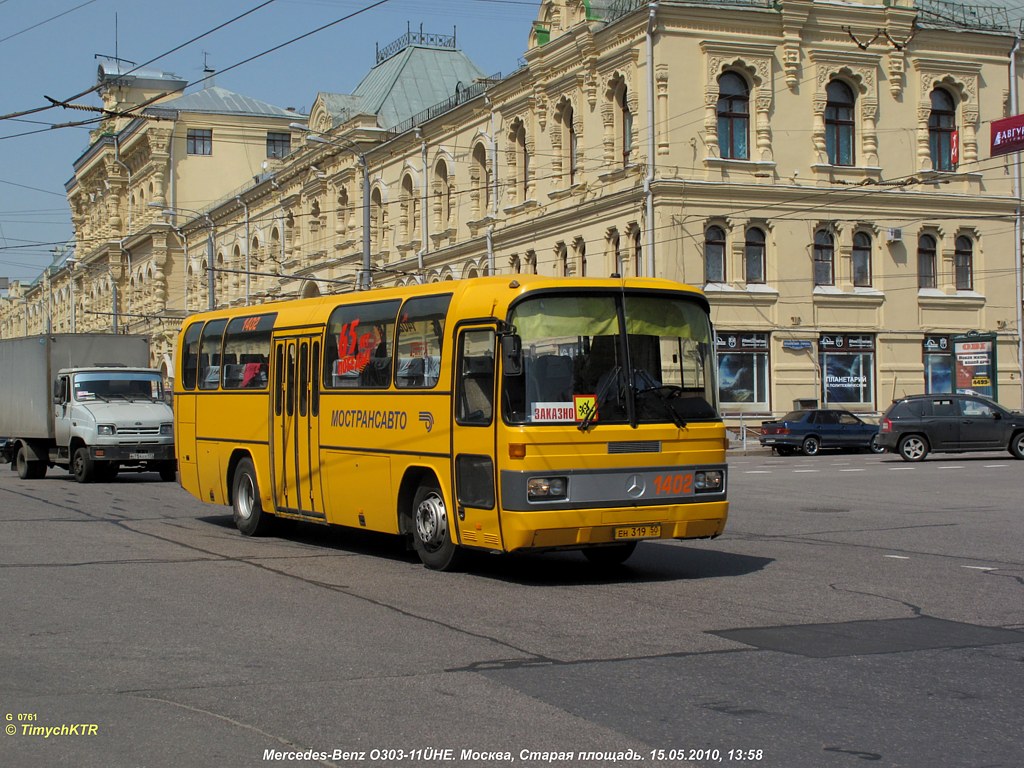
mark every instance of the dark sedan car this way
{"type": "Point", "coordinates": [945, 423]}
{"type": "Point", "coordinates": [808, 431]}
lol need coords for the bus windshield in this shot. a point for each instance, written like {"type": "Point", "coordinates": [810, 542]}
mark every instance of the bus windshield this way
{"type": "Point", "coordinates": [611, 358]}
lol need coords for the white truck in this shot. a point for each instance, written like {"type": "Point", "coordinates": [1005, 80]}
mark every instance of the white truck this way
{"type": "Point", "coordinates": [87, 402]}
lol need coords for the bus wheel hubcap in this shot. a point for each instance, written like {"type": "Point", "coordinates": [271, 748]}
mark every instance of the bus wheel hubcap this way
{"type": "Point", "coordinates": [431, 522]}
{"type": "Point", "coordinates": [245, 497]}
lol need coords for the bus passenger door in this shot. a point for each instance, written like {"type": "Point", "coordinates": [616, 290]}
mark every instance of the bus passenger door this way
{"type": "Point", "coordinates": [295, 427]}
{"type": "Point", "coordinates": [473, 439]}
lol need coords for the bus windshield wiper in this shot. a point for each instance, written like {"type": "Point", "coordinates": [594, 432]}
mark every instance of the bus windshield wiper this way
{"type": "Point", "coordinates": [666, 394]}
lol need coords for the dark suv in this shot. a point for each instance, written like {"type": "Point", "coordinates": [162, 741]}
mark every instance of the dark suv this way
{"type": "Point", "coordinates": [945, 423]}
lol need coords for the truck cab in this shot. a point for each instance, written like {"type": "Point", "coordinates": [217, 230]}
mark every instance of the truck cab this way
{"type": "Point", "coordinates": [109, 418]}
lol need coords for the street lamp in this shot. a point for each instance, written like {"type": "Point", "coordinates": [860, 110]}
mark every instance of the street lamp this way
{"type": "Point", "coordinates": [318, 137]}
{"type": "Point", "coordinates": [171, 210]}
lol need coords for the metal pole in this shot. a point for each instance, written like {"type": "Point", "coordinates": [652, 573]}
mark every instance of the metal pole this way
{"type": "Point", "coordinates": [366, 281]}
{"type": "Point", "coordinates": [211, 289]}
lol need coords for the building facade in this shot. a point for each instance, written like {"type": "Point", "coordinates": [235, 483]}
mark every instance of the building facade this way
{"type": "Point", "coordinates": [820, 169]}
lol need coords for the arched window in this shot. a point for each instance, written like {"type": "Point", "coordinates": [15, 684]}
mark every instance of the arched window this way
{"type": "Point", "coordinates": [442, 197]}
{"type": "Point", "coordinates": [638, 252]}
{"type": "Point", "coordinates": [839, 123]}
{"type": "Point", "coordinates": [963, 264]}
{"type": "Point", "coordinates": [376, 220]}
{"type": "Point", "coordinates": [824, 258]}
{"type": "Point", "coordinates": [941, 127]}
{"type": "Point", "coordinates": [561, 260]}
{"type": "Point", "coordinates": [569, 143]}
{"type": "Point", "coordinates": [622, 119]}
{"type": "Point", "coordinates": [714, 255]}
{"type": "Point", "coordinates": [862, 259]}
{"type": "Point", "coordinates": [410, 209]}
{"type": "Point", "coordinates": [522, 160]}
{"type": "Point", "coordinates": [480, 174]}
{"type": "Point", "coordinates": [926, 261]}
{"type": "Point", "coordinates": [753, 256]}
{"type": "Point", "coordinates": [733, 116]}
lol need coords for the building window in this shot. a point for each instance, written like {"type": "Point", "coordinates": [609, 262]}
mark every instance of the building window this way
{"type": "Point", "coordinates": [963, 263]}
{"type": "Point", "coordinates": [847, 368]}
{"type": "Point", "coordinates": [638, 252]}
{"type": "Point", "coordinates": [926, 261]}
{"type": "Point", "coordinates": [623, 119]}
{"type": "Point", "coordinates": [839, 123]}
{"type": "Point", "coordinates": [199, 141]}
{"type": "Point", "coordinates": [733, 116]}
{"type": "Point", "coordinates": [522, 160]}
{"type": "Point", "coordinates": [714, 255]}
{"type": "Point", "coordinates": [941, 127]}
{"type": "Point", "coordinates": [442, 197]}
{"type": "Point", "coordinates": [409, 208]}
{"type": "Point", "coordinates": [481, 177]}
{"type": "Point", "coordinates": [754, 256]}
{"type": "Point", "coordinates": [743, 369]}
{"type": "Point", "coordinates": [278, 144]}
{"type": "Point", "coordinates": [824, 258]}
{"type": "Point", "coordinates": [862, 260]}
{"type": "Point", "coordinates": [561, 260]}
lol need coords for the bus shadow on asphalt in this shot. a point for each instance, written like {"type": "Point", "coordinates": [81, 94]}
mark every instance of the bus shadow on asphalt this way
{"type": "Point", "coordinates": [653, 561]}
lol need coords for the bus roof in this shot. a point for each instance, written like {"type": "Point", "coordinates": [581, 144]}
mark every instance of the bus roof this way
{"type": "Point", "coordinates": [476, 296]}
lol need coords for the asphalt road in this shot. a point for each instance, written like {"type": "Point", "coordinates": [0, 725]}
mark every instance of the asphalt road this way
{"type": "Point", "coordinates": [858, 611]}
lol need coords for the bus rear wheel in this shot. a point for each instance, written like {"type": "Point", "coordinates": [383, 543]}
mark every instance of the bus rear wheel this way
{"type": "Point", "coordinates": [246, 504]}
{"type": "Point", "coordinates": [430, 535]}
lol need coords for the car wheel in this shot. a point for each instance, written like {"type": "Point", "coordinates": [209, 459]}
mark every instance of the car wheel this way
{"type": "Point", "coordinates": [912, 448]}
{"type": "Point", "coordinates": [785, 450]}
{"type": "Point", "coordinates": [246, 504]}
{"type": "Point", "coordinates": [875, 447]}
{"type": "Point", "coordinates": [614, 554]}
{"type": "Point", "coordinates": [430, 535]}
{"type": "Point", "coordinates": [82, 466]}
{"type": "Point", "coordinates": [811, 445]}
{"type": "Point", "coordinates": [1017, 445]}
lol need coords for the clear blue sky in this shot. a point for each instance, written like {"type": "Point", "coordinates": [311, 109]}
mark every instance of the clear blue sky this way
{"type": "Point", "coordinates": [48, 48]}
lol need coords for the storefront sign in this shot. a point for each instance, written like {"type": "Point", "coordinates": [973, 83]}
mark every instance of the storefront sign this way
{"type": "Point", "coordinates": [797, 344]}
{"type": "Point", "coordinates": [1007, 135]}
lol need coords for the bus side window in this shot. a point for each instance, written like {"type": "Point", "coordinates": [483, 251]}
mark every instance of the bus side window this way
{"type": "Point", "coordinates": [475, 385]}
{"type": "Point", "coordinates": [210, 354]}
{"type": "Point", "coordinates": [418, 346]}
{"type": "Point", "coordinates": [190, 356]}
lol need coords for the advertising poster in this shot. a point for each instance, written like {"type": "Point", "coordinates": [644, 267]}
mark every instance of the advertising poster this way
{"type": "Point", "coordinates": [847, 368]}
{"type": "Point", "coordinates": [974, 365]}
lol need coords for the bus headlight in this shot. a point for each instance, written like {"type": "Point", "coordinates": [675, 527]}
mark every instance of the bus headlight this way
{"type": "Point", "coordinates": [707, 481]}
{"type": "Point", "coordinates": [546, 488]}
{"type": "Point", "coordinates": [107, 430]}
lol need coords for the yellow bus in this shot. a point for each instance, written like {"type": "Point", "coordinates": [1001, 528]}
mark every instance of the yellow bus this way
{"type": "Point", "coordinates": [501, 414]}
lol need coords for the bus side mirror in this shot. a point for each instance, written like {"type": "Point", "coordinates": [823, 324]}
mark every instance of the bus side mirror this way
{"type": "Point", "coordinates": [512, 355]}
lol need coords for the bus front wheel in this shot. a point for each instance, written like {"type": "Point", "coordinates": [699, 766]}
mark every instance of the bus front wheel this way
{"type": "Point", "coordinates": [430, 535]}
{"type": "Point", "coordinates": [610, 554]}
{"type": "Point", "coordinates": [249, 516]}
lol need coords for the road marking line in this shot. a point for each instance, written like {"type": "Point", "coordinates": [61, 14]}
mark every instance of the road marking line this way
{"type": "Point", "coordinates": [757, 472]}
{"type": "Point", "coordinates": [853, 470]}
{"type": "Point", "coordinates": [806, 470]}
{"type": "Point", "coordinates": [898, 469]}
{"type": "Point", "coordinates": [953, 466]}
{"type": "Point", "coordinates": [978, 567]}
{"type": "Point", "coordinates": [897, 557]}
{"type": "Point", "coordinates": [992, 466]}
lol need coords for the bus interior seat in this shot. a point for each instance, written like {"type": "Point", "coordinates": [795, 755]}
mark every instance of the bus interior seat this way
{"type": "Point", "coordinates": [376, 373]}
{"type": "Point", "coordinates": [476, 388]}
{"type": "Point", "coordinates": [552, 379]}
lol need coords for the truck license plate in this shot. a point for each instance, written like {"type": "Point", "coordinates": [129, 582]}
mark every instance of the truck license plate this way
{"type": "Point", "coordinates": [649, 531]}
{"type": "Point", "coordinates": [140, 455]}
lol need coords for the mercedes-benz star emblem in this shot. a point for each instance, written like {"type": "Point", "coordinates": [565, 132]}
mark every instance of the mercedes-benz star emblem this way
{"type": "Point", "coordinates": [635, 486]}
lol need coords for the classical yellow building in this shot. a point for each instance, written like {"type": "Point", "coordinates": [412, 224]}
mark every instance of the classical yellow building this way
{"type": "Point", "coordinates": [821, 169]}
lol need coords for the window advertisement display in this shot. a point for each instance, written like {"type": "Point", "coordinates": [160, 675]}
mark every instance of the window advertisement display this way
{"type": "Point", "coordinates": [847, 368]}
{"type": "Point", "coordinates": [937, 353]}
{"type": "Point", "coordinates": [742, 368]}
{"type": "Point", "coordinates": [974, 364]}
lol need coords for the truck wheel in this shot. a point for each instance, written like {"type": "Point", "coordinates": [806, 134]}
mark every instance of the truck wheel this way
{"type": "Point", "coordinates": [82, 466]}
{"type": "Point", "coordinates": [430, 535]}
{"type": "Point", "coordinates": [249, 516]}
{"type": "Point", "coordinates": [28, 469]}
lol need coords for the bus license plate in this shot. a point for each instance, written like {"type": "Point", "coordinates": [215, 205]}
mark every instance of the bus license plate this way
{"type": "Point", "coordinates": [650, 531]}
{"type": "Point", "coordinates": [140, 455]}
